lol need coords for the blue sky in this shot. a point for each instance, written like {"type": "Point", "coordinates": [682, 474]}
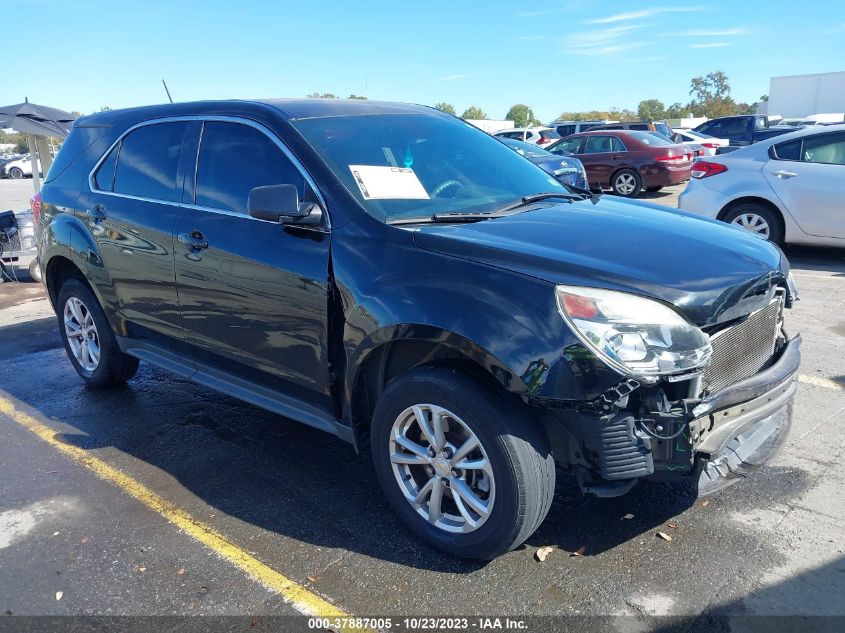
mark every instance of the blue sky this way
{"type": "Point", "coordinates": [552, 55]}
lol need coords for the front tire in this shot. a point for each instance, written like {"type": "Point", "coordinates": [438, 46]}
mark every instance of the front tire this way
{"type": "Point", "coordinates": [16, 173]}
{"type": "Point", "coordinates": [626, 183]}
{"type": "Point", "coordinates": [466, 468]}
{"type": "Point", "coordinates": [88, 338]}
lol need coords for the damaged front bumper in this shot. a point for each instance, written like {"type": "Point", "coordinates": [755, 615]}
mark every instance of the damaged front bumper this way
{"type": "Point", "coordinates": [715, 440]}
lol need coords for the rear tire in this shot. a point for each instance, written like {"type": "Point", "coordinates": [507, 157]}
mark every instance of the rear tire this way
{"type": "Point", "coordinates": [513, 490]}
{"type": "Point", "coordinates": [16, 173]}
{"type": "Point", "coordinates": [757, 218]}
{"type": "Point", "coordinates": [79, 311]}
{"type": "Point", "coordinates": [626, 183]}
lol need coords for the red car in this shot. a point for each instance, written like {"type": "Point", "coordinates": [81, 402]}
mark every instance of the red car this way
{"type": "Point", "coordinates": [628, 161]}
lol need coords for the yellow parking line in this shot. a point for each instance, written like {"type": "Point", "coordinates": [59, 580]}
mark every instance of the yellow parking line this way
{"type": "Point", "coordinates": [300, 598]}
{"type": "Point", "coordinates": [820, 382]}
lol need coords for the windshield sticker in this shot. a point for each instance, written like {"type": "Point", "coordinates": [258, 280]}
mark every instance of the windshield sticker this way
{"type": "Point", "coordinates": [385, 183]}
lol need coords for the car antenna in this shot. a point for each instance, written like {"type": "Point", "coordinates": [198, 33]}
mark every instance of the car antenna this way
{"type": "Point", "coordinates": [167, 91]}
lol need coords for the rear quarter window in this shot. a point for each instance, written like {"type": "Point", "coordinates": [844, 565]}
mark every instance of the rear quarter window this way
{"type": "Point", "coordinates": [148, 161]}
{"type": "Point", "coordinates": [791, 150]}
{"type": "Point", "coordinates": [79, 139]}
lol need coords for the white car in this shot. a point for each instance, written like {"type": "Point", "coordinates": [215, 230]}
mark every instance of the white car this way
{"type": "Point", "coordinates": [536, 135]}
{"type": "Point", "coordinates": [709, 144]}
{"type": "Point", "coordinates": [788, 189]}
{"type": "Point", "coordinates": [19, 168]}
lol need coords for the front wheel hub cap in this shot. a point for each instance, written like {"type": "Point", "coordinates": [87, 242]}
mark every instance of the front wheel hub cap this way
{"type": "Point", "coordinates": [442, 468]}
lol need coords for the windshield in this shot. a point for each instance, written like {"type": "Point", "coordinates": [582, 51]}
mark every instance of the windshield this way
{"type": "Point", "coordinates": [526, 149]}
{"type": "Point", "coordinates": [419, 164]}
{"type": "Point", "coordinates": [650, 138]}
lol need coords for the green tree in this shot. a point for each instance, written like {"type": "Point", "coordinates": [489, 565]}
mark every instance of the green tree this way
{"type": "Point", "coordinates": [651, 110]}
{"type": "Point", "coordinates": [448, 108]}
{"type": "Point", "coordinates": [676, 111]}
{"type": "Point", "coordinates": [521, 115]}
{"type": "Point", "coordinates": [357, 97]}
{"type": "Point", "coordinates": [711, 95]}
{"type": "Point", "coordinates": [763, 98]}
{"type": "Point", "coordinates": [21, 145]}
{"type": "Point", "coordinates": [474, 112]}
{"type": "Point", "coordinates": [325, 95]}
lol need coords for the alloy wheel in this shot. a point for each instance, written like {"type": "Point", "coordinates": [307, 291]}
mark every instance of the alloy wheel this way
{"type": "Point", "coordinates": [16, 173]}
{"type": "Point", "coordinates": [754, 223]}
{"type": "Point", "coordinates": [81, 332]}
{"type": "Point", "coordinates": [442, 469]}
{"type": "Point", "coordinates": [625, 184]}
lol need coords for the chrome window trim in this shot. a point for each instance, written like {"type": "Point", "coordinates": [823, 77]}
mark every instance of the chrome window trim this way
{"type": "Point", "coordinates": [203, 118]}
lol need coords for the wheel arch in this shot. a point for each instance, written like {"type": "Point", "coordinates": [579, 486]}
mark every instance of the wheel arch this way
{"type": "Point", "coordinates": [749, 200]}
{"type": "Point", "coordinates": [626, 168]}
{"type": "Point", "coordinates": [393, 351]}
{"type": "Point", "coordinates": [785, 224]}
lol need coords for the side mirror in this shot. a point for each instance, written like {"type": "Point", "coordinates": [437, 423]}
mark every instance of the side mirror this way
{"type": "Point", "coordinates": [277, 203]}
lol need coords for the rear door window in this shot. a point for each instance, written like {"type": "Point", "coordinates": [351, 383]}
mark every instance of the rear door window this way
{"type": "Point", "coordinates": [791, 150]}
{"type": "Point", "coordinates": [233, 160]}
{"type": "Point", "coordinates": [616, 145]}
{"type": "Point", "coordinates": [148, 161]}
{"type": "Point", "coordinates": [549, 134]}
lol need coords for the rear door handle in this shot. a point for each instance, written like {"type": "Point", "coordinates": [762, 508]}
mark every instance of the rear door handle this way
{"type": "Point", "coordinates": [193, 240]}
{"type": "Point", "coordinates": [783, 174]}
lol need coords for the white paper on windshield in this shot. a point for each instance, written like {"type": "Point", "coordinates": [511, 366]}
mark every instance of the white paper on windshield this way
{"type": "Point", "coordinates": [377, 182]}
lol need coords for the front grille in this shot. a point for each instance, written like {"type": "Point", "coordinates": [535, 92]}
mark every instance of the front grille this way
{"type": "Point", "coordinates": [744, 349]}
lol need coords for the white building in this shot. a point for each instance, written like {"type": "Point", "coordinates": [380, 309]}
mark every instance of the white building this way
{"type": "Point", "coordinates": [798, 96]}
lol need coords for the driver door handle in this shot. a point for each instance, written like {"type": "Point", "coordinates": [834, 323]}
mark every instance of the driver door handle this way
{"type": "Point", "coordinates": [783, 174]}
{"type": "Point", "coordinates": [195, 241]}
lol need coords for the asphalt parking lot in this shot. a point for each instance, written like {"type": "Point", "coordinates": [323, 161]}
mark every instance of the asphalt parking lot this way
{"type": "Point", "coordinates": [165, 498]}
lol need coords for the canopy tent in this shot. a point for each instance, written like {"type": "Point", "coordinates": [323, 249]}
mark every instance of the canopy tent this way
{"type": "Point", "coordinates": [37, 122]}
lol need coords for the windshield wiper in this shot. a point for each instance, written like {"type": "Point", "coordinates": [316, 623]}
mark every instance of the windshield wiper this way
{"type": "Point", "coordinates": [585, 194]}
{"type": "Point", "coordinates": [469, 216]}
{"type": "Point", "coordinates": [445, 218]}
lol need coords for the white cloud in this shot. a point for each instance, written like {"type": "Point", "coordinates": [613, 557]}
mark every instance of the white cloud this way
{"type": "Point", "coordinates": [712, 45]}
{"type": "Point", "coordinates": [595, 38]}
{"type": "Point", "coordinates": [452, 77]}
{"type": "Point", "coordinates": [606, 50]}
{"type": "Point", "coordinates": [714, 33]}
{"type": "Point", "coordinates": [643, 13]}
{"type": "Point", "coordinates": [644, 60]}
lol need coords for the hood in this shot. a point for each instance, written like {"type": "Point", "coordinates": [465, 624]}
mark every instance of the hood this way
{"type": "Point", "coordinates": [711, 271]}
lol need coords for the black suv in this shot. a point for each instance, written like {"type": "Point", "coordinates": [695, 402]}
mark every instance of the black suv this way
{"type": "Point", "coordinates": [397, 277]}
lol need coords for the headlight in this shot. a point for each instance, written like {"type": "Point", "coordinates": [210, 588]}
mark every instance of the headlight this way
{"type": "Point", "coordinates": [636, 336]}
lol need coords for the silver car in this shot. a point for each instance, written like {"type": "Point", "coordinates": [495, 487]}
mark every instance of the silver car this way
{"type": "Point", "coordinates": [788, 189]}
